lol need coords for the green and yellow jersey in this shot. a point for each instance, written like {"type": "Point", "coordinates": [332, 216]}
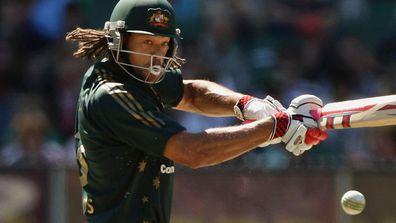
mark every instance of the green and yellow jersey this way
{"type": "Point", "coordinates": [121, 135]}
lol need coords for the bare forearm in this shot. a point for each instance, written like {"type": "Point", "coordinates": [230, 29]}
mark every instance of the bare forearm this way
{"type": "Point", "coordinates": [208, 98]}
{"type": "Point", "coordinates": [214, 146]}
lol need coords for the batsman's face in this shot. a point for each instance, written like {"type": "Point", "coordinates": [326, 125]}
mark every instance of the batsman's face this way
{"type": "Point", "coordinates": [147, 45]}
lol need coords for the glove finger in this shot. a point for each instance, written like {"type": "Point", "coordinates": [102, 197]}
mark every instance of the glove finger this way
{"type": "Point", "coordinates": [311, 141]}
{"type": "Point", "coordinates": [276, 103]}
{"type": "Point", "coordinates": [317, 134]}
{"type": "Point", "coordinates": [297, 152]}
{"type": "Point", "coordinates": [316, 113]}
{"type": "Point", "coordinates": [301, 149]}
{"type": "Point", "coordinates": [314, 136]}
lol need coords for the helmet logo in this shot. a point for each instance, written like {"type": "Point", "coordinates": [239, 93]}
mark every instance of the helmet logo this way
{"type": "Point", "coordinates": [158, 18]}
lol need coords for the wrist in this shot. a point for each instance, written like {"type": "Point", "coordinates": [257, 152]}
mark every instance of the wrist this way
{"type": "Point", "coordinates": [239, 107]}
{"type": "Point", "coordinates": [281, 124]}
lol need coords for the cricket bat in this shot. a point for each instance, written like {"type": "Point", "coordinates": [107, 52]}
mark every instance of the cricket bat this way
{"type": "Point", "coordinates": [360, 113]}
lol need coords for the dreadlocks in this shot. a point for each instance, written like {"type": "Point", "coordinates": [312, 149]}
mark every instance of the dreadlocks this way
{"type": "Point", "coordinates": [92, 44]}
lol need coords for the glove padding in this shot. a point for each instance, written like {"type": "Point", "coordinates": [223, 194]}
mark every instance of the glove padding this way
{"type": "Point", "coordinates": [297, 127]}
{"type": "Point", "coordinates": [299, 137]}
{"type": "Point", "coordinates": [250, 108]}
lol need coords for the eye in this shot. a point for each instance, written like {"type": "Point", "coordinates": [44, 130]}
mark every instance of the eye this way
{"type": "Point", "coordinates": [165, 44]}
{"type": "Point", "coordinates": [148, 42]}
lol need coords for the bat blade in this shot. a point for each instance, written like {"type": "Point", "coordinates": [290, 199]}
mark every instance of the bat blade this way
{"type": "Point", "coordinates": [360, 113]}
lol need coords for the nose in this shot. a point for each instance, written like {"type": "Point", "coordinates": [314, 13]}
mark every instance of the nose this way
{"type": "Point", "coordinates": [157, 60]}
{"type": "Point", "coordinates": [159, 49]}
{"type": "Point", "coordinates": [157, 57]}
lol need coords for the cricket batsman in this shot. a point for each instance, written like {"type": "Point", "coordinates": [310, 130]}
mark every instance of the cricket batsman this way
{"type": "Point", "coordinates": [127, 145]}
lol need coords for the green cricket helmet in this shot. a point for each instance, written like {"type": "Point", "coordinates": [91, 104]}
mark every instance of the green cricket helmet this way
{"type": "Point", "coordinates": [150, 17]}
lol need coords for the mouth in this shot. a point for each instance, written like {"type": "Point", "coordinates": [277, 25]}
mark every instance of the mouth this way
{"type": "Point", "coordinates": [156, 70]}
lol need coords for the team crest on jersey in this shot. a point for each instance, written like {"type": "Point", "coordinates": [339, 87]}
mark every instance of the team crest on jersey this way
{"type": "Point", "coordinates": [158, 18]}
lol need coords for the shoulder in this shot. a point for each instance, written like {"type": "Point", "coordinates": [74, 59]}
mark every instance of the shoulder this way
{"type": "Point", "coordinates": [171, 88]}
{"type": "Point", "coordinates": [106, 86]}
{"type": "Point", "coordinates": [108, 94]}
{"type": "Point", "coordinates": [98, 89]}
{"type": "Point", "coordinates": [91, 75]}
{"type": "Point", "coordinates": [104, 67]}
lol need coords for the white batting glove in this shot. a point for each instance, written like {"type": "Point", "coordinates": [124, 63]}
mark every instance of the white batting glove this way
{"type": "Point", "coordinates": [307, 105]}
{"type": "Point", "coordinates": [249, 108]}
{"type": "Point", "coordinates": [297, 127]}
{"type": "Point", "coordinates": [293, 130]}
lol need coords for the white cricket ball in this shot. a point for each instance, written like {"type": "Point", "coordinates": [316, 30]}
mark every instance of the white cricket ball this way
{"type": "Point", "coordinates": [353, 202]}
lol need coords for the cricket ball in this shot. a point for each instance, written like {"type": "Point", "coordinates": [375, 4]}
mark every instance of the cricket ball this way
{"type": "Point", "coordinates": [353, 202]}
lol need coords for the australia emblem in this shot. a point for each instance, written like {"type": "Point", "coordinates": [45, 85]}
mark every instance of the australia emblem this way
{"type": "Point", "coordinates": [158, 18]}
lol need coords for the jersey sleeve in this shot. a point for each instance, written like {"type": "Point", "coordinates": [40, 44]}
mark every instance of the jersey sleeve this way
{"type": "Point", "coordinates": [119, 114]}
{"type": "Point", "coordinates": [171, 88]}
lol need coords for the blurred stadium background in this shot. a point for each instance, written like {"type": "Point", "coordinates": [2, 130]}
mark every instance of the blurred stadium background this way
{"type": "Point", "coordinates": [336, 49]}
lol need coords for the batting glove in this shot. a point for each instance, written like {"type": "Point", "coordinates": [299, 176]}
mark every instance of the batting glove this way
{"type": "Point", "coordinates": [250, 108]}
{"type": "Point", "coordinates": [293, 130]}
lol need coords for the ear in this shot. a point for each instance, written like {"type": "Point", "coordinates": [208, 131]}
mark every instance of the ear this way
{"type": "Point", "coordinates": [126, 38]}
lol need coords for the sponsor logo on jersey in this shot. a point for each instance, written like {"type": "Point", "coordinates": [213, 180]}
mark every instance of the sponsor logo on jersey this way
{"type": "Point", "coordinates": [167, 169]}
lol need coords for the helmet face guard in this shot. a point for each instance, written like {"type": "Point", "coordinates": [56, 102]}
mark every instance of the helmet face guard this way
{"type": "Point", "coordinates": [156, 71]}
{"type": "Point", "coordinates": [115, 40]}
{"type": "Point", "coordinates": [150, 17]}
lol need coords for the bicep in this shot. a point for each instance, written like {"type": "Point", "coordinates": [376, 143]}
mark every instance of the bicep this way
{"type": "Point", "coordinates": [208, 98]}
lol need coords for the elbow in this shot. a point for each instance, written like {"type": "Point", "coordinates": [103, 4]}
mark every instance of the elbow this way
{"type": "Point", "coordinates": [189, 150]}
{"type": "Point", "coordinates": [194, 160]}
{"type": "Point", "coordinates": [193, 166]}
{"type": "Point", "coordinates": [198, 163]}
{"type": "Point", "coordinates": [190, 157]}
